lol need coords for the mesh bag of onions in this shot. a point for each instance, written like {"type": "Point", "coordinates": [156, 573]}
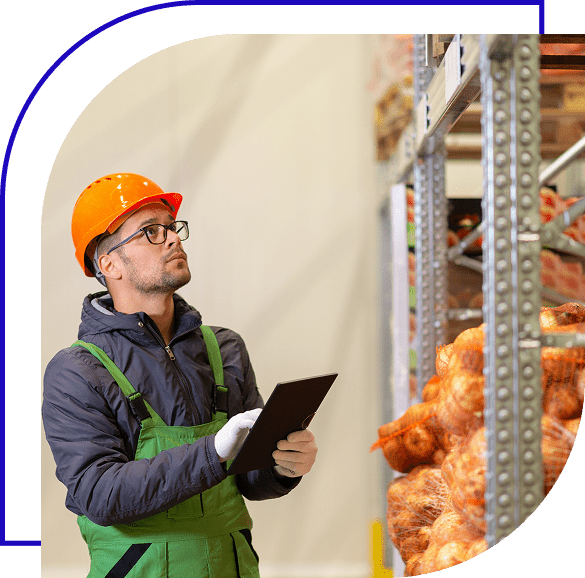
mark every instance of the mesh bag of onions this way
{"type": "Point", "coordinates": [415, 501]}
{"type": "Point", "coordinates": [436, 511]}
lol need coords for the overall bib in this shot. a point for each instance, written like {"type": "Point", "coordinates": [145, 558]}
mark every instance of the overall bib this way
{"type": "Point", "coordinates": [206, 536]}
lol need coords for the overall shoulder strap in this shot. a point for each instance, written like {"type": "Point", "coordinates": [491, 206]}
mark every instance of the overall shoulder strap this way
{"type": "Point", "coordinates": [140, 407]}
{"type": "Point", "coordinates": [220, 402]}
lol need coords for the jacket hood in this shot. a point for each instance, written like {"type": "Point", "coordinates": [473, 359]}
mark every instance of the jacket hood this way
{"type": "Point", "coordinates": [99, 316]}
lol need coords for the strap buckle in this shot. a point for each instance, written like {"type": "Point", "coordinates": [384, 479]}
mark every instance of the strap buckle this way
{"type": "Point", "coordinates": [220, 399]}
{"type": "Point", "coordinates": [138, 406]}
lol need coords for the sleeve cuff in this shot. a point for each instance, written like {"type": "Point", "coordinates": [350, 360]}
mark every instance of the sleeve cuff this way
{"type": "Point", "coordinates": [286, 482]}
{"type": "Point", "coordinates": [218, 468]}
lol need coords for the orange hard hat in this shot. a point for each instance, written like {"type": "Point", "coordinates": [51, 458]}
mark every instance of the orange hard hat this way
{"type": "Point", "coordinates": [105, 204]}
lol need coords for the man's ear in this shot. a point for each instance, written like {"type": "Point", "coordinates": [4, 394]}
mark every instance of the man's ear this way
{"type": "Point", "coordinates": [109, 267]}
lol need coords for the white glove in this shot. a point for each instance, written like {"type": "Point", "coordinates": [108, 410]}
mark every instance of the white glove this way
{"type": "Point", "coordinates": [229, 439]}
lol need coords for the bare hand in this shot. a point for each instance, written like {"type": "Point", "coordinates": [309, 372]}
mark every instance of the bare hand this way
{"type": "Point", "coordinates": [296, 454]}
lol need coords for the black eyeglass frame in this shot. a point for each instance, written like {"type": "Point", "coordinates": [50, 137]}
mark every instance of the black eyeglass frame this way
{"type": "Point", "coordinates": [143, 230]}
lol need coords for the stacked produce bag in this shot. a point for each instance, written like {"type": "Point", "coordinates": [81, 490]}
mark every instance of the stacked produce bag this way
{"type": "Point", "coordinates": [436, 511]}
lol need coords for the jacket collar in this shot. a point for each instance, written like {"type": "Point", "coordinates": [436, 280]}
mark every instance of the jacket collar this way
{"type": "Point", "coordinates": [99, 316]}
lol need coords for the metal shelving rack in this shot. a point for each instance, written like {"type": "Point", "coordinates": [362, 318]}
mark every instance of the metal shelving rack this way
{"type": "Point", "coordinates": [504, 71]}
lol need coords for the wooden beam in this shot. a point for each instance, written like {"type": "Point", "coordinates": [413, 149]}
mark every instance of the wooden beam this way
{"type": "Point", "coordinates": [562, 38]}
{"type": "Point", "coordinates": [562, 62]}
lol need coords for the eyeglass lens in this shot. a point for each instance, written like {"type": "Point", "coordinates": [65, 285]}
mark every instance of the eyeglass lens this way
{"type": "Point", "coordinates": [157, 234]}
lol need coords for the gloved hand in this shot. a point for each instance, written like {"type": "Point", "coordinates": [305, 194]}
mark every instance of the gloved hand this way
{"type": "Point", "coordinates": [229, 439]}
{"type": "Point", "coordinates": [296, 454]}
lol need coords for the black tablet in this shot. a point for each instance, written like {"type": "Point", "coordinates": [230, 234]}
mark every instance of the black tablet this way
{"type": "Point", "coordinates": [290, 407]}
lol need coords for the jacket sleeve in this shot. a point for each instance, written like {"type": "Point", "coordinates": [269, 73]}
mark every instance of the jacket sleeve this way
{"type": "Point", "coordinates": [259, 484]}
{"type": "Point", "coordinates": [93, 454]}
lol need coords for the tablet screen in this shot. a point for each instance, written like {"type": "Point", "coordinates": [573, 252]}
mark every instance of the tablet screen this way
{"type": "Point", "coordinates": [291, 407]}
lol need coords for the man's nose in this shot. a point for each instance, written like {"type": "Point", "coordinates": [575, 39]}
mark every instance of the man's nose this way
{"type": "Point", "coordinates": [173, 239]}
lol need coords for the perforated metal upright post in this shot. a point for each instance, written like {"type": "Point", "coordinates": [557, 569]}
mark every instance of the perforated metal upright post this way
{"type": "Point", "coordinates": [440, 271]}
{"type": "Point", "coordinates": [430, 219]}
{"type": "Point", "coordinates": [424, 274]}
{"type": "Point", "coordinates": [509, 70]}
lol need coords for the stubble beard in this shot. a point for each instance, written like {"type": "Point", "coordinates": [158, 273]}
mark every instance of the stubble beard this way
{"type": "Point", "coordinates": [153, 283]}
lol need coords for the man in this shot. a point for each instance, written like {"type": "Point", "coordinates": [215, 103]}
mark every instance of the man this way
{"type": "Point", "coordinates": [143, 411]}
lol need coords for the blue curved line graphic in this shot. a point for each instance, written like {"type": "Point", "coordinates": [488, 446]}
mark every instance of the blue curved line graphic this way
{"type": "Point", "coordinates": [62, 58]}
{"type": "Point", "coordinates": [40, 83]}
{"type": "Point", "coordinates": [58, 62]}
{"type": "Point", "coordinates": [152, 8]}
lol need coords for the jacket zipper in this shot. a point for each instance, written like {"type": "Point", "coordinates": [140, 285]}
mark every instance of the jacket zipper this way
{"type": "Point", "coordinates": [182, 379]}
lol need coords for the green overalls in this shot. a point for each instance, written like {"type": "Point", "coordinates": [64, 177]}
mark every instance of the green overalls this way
{"type": "Point", "coordinates": [206, 536]}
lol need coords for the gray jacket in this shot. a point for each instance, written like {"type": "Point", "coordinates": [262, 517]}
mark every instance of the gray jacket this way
{"type": "Point", "coordinates": [93, 433]}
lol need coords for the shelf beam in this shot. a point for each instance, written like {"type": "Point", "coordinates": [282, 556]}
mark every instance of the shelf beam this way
{"type": "Point", "coordinates": [563, 339]}
{"type": "Point", "coordinates": [464, 314]}
{"type": "Point", "coordinates": [557, 166]}
{"type": "Point", "coordinates": [546, 293]}
{"type": "Point", "coordinates": [465, 243]}
{"type": "Point", "coordinates": [454, 86]}
{"type": "Point", "coordinates": [559, 298]}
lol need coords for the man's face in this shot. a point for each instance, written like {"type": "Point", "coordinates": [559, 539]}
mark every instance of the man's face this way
{"type": "Point", "coordinates": [147, 268]}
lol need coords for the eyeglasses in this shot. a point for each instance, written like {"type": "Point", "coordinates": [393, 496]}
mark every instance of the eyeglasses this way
{"type": "Point", "coordinates": [157, 233]}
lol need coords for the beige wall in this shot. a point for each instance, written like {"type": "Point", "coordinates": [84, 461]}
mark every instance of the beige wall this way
{"type": "Point", "coordinates": [269, 140]}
